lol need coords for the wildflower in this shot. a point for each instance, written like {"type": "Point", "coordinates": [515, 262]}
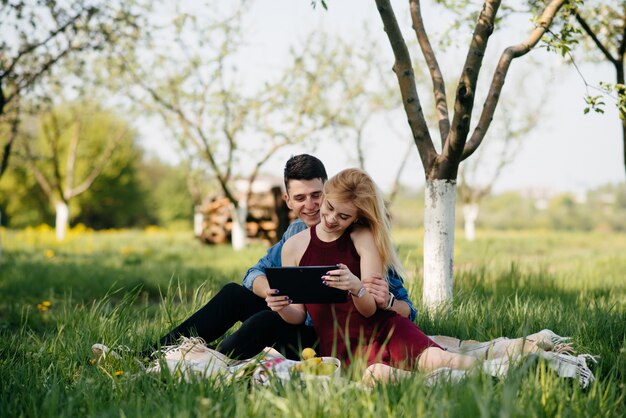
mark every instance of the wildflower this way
{"type": "Point", "coordinates": [43, 306]}
{"type": "Point", "coordinates": [119, 372]}
{"type": "Point", "coordinates": [49, 253]}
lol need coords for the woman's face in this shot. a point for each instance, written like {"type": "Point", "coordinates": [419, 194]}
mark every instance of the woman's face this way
{"type": "Point", "coordinates": [337, 216]}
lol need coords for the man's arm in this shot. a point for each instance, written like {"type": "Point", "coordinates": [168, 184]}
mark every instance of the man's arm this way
{"type": "Point", "coordinates": [402, 303]}
{"type": "Point", "coordinates": [382, 291]}
{"type": "Point", "coordinates": [255, 279]}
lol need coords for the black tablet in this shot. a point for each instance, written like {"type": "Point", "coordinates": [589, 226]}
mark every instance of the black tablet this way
{"type": "Point", "coordinates": [304, 284]}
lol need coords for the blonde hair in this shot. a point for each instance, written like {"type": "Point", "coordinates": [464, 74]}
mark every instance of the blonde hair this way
{"type": "Point", "coordinates": [356, 186]}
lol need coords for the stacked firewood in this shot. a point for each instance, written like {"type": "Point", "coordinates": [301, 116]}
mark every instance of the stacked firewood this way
{"type": "Point", "coordinates": [216, 218]}
{"type": "Point", "coordinates": [268, 217]}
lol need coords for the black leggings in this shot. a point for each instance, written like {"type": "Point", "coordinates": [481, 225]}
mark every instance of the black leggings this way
{"type": "Point", "coordinates": [260, 326]}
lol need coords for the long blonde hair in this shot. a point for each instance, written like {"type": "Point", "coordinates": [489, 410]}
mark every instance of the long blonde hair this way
{"type": "Point", "coordinates": [356, 186]}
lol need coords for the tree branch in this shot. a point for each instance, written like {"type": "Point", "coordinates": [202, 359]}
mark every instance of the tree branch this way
{"type": "Point", "coordinates": [500, 74]}
{"type": "Point", "coordinates": [30, 80]}
{"type": "Point", "coordinates": [259, 164]}
{"type": "Point", "coordinates": [41, 179]}
{"type": "Point", "coordinates": [182, 117]}
{"type": "Point", "coordinates": [406, 79]}
{"type": "Point", "coordinates": [439, 86]}
{"type": "Point", "coordinates": [30, 48]}
{"type": "Point", "coordinates": [6, 151]}
{"type": "Point", "coordinates": [98, 167]}
{"type": "Point", "coordinates": [583, 23]}
{"type": "Point", "coordinates": [71, 156]}
{"type": "Point", "coordinates": [466, 88]}
{"type": "Point", "coordinates": [622, 46]}
{"type": "Point", "coordinates": [53, 133]}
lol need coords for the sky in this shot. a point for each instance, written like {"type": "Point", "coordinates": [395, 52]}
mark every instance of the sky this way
{"type": "Point", "coordinates": [566, 151]}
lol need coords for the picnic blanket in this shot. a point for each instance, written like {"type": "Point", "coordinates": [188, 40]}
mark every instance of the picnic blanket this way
{"type": "Point", "coordinates": [192, 359]}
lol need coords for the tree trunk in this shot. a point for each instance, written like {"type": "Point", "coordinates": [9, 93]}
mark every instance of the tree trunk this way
{"type": "Point", "coordinates": [439, 202]}
{"type": "Point", "coordinates": [624, 143]}
{"type": "Point", "coordinates": [470, 213]}
{"type": "Point", "coordinates": [238, 233]}
{"type": "Point", "coordinates": [198, 219]}
{"type": "Point", "coordinates": [62, 219]}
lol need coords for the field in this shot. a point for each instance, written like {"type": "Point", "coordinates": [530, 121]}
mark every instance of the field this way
{"type": "Point", "coordinates": [129, 287]}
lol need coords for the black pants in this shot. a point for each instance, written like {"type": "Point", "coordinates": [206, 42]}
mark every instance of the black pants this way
{"type": "Point", "coordinates": [260, 326]}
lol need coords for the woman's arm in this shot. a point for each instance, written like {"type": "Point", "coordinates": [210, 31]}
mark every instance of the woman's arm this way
{"type": "Point", "coordinates": [371, 263]}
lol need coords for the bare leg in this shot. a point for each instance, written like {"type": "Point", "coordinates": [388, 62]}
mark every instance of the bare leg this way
{"type": "Point", "coordinates": [434, 358]}
{"type": "Point", "coordinates": [379, 372]}
{"type": "Point", "coordinates": [431, 359]}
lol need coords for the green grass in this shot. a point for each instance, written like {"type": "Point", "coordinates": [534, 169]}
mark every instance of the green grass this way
{"type": "Point", "coordinates": [129, 287]}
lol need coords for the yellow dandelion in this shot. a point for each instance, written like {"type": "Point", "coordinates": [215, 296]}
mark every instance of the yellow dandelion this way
{"type": "Point", "coordinates": [49, 253]}
{"type": "Point", "coordinates": [119, 372]}
{"type": "Point", "coordinates": [46, 303]}
{"type": "Point", "coordinates": [42, 307]}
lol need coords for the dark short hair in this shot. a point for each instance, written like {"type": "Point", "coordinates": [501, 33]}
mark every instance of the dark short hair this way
{"type": "Point", "coordinates": [304, 167]}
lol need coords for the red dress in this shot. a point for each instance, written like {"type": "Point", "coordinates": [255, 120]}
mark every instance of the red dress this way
{"type": "Point", "coordinates": [385, 337]}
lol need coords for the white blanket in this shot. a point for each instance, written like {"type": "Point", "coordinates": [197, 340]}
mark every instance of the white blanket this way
{"type": "Point", "coordinates": [191, 358]}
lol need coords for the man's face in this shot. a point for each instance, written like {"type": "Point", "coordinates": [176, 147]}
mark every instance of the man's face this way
{"type": "Point", "coordinates": [304, 198]}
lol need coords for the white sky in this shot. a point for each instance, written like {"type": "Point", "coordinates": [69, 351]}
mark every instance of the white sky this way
{"type": "Point", "coordinates": [567, 150]}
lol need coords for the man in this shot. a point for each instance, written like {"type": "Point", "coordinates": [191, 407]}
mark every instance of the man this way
{"type": "Point", "coordinates": [304, 177]}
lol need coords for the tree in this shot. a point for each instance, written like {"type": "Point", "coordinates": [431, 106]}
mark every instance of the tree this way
{"type": "Point", "coordinates": [67, 149]}
{"type": "Point", "coordinates": [37, 36]}
{"type": "Point", "coordinates": [604, 24]}
{"type": "Point", "coordinates": [441, 169]}
{"type": "Point", "coordinates": [190, 80]}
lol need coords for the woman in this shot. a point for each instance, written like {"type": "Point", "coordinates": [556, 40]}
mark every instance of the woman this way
{"type": "Point", "coordinates": [354, 234]}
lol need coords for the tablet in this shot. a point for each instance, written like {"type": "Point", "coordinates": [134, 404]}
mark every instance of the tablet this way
{"type": "Point", "coordinates": [304, 284]}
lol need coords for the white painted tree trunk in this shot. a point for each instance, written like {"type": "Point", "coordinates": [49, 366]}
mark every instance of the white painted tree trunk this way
{"type": "Point", "coordinates": [198, 219]}
{"type": "Point", "coordinates": [238, 233]}
{"type": "Point", "coordinates": [440, 199]}
{"type": "Point", "coordinates": [62, 219]}
{"type": "Point", "coordinates": [470, 213]}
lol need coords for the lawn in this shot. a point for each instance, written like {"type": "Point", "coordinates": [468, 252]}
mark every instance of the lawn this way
{"type": "Point", "coordinates": [129, 287]}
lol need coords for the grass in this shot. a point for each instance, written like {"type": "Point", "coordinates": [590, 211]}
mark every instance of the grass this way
{"type": "Point", "coordinates": [129, 287]}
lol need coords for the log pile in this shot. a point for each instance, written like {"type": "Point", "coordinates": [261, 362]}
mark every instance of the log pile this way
{"type": "Point", "coordinates": [267, 219]}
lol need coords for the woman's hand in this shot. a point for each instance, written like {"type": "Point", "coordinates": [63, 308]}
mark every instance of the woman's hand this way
{"type": "Point", "coordinates": [275, 301]}
{"type": "Point", "coordinates": [343, 279]}
{"type": "Point", "coordinates": [292, 313]}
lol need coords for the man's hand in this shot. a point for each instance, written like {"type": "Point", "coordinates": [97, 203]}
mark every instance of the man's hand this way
{"type": "Point", "coordinates": [378, 287]}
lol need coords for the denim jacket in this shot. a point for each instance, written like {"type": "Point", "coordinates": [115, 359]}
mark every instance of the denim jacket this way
{"type": "Point", "coordinates": [273, 259]}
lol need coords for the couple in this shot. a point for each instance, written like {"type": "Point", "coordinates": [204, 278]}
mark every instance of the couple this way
{"type": "Point", "coordinates": [354, 233]}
